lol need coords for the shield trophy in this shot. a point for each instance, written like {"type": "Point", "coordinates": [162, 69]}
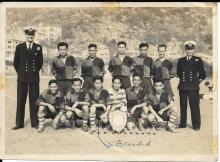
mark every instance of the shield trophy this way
{"type": "Point", "coordinates": [118, 120]}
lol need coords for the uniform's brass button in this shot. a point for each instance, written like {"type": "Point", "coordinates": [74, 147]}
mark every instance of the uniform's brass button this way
{"type": "Point", "coordinates": [25, 70]}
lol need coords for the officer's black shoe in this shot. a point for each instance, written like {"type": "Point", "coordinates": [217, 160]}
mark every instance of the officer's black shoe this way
{"type": "Point", "coordinates": [16, 127]}
{"type": "Point", "coordinates": [196, 129]}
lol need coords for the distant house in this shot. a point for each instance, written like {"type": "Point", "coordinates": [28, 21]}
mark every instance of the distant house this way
{"type": "Point", "coordinates": [48, 32]}
{"type": "Point", "coordinates": [10, 48]}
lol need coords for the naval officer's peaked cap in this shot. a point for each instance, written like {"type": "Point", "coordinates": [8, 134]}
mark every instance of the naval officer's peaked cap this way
{"type": "Point", "coordinates": [190, 44]}
{"type": "Point", "coordinates": [30, 30]}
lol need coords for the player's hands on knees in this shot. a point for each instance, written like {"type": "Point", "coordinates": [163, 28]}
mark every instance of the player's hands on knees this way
{"type": "Point", "coordinates": [78, 112]}
{"type": "Point", "coordinates": [160, 112]}
{"type": "Point", "coordinates": [51, 107]}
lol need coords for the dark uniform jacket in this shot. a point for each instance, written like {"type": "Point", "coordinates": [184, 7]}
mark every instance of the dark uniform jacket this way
{"type": "Point", "coordinates": [28, 63]}
{"type": "Point", "coordinates": [189, 73]}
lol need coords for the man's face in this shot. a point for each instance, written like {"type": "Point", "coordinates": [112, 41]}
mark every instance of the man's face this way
{"type": "Point", "coordinates": [30, 37]}
{"type": "Point", "coordinates": [190, 52]}
{"type": "Point", "coordinates": [62, 50]}
{"type": "Point", "coordinates": [98, 84]}
{"type": "Point", "coordinates": [158, 86]}
{"type": "Point", "coordinates": [121, 48]}
{"type": "Point", "coordinates": [77, 86]}
{"type": "Point", "coordinates": [53, 88]}
{"type": "Point", "coordinates": [136, 81]}
{"type": "Point", "coordinates": [143, 51]}
{"type": "Point", "coordinates": [117, 84]}
{"type": "Point", "coordinates": [92, 52]}
{"type": "Point", "coordinates": [161, 52]}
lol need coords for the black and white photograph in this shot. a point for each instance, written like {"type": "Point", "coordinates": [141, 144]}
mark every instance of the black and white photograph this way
{"type": "Point", "coordinates": [110, 81]}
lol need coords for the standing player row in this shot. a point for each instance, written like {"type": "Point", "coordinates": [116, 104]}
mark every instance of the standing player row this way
{"type": "Point", "coordinates": [64, 67]}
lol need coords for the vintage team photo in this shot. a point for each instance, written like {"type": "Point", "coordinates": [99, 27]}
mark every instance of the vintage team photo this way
{"type": "Point", "coordinates": [87, 82]}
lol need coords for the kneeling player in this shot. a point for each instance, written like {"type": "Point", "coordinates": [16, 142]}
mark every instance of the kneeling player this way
{"type": "Point", "coordinates": [51, 105]}
{"type": "Point", "coordinates": [99, 98]}
{"type": "Point", "coordinates": [77, 104]}
{"type": "Point", "coordinates": [137, 107]}
{"type": "Point", "coordinates": [161, 106]}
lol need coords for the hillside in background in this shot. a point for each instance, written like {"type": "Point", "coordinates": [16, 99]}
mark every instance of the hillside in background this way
{"type": "Point", "coordinates": [106, 26]}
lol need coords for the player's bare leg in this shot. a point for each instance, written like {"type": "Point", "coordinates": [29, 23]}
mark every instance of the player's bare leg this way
{"type": "Point", "coordinates": [70, 120]}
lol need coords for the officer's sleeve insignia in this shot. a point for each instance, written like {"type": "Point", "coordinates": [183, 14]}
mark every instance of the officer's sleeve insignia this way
{"type": "Point", "coordinates": [38, 48]}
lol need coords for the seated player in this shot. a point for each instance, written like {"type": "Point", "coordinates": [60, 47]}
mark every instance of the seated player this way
{"type": "Point", "coordinates": [99, 98]}
{"type": "Point", "coordinates": [137, 108]}
{"type": "Point", "coordinates": [77, 105]}
{"type": "Point", "coordinates": [161, 106]}
{"type": "Point", "coordinates": [51, 105]}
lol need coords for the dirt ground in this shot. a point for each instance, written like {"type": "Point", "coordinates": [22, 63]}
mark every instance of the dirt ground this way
{"type": "Point", "coordinates": [69, 142]}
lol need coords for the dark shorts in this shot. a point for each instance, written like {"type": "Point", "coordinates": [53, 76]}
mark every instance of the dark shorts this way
{"type": "Point", "coordinates": [99, 112]}
{"type": "Point", "coordinates": [136, 115]}
{"type": "Point", "coordinates": [49, 114]}
{"type": "Point", "coordinates": [166, 115]}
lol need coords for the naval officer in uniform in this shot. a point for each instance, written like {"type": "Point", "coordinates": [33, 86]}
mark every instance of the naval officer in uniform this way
{"type": "Point", "coordinates": [28, 61]}
{"type": "Point", "coordinates": [191, 72]}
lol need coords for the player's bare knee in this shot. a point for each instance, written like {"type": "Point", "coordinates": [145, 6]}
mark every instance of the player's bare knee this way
{"type": "Point", "coordinates": [63, 119]}
{"type": "Point", "coordinates": [85, 109]}
{"type": "Point", "coordinates": [41, 112]}
{"type": "Point", "coordinates": [92, 110]}
{"type": "Point", "coordinates": [69, 114]}
{"type": "Point", "coordinates": [151, 117]}
{"type": "Point", "coordinates": [105, 120]}
{"type": "Point", "coordinates": [146, 110]}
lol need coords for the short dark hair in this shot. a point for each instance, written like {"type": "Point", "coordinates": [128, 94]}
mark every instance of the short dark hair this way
{"type": "Point", "coordinates": [122, 42]}
{"type": "Point", "coordinates": [98, 78]}
{"type": "Point", "coordinates": [116, 77]}
{"type": "Point", "coordinates": [62, 44]}
{"type": "Point", "coordinates": [158, 80]}
{"type": "Point", "coordinates": [162, 45]}
{"type": "Point", "coordinates": [143, 45]}
{"type": "Point", "coordinates": [77, 79]}
{"type": "Point", "coordinates": [92, 45]}
{"type": "Point", "coordinates": [137, 75]}
{"type": "Point", "coordinates": [52, 81]}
